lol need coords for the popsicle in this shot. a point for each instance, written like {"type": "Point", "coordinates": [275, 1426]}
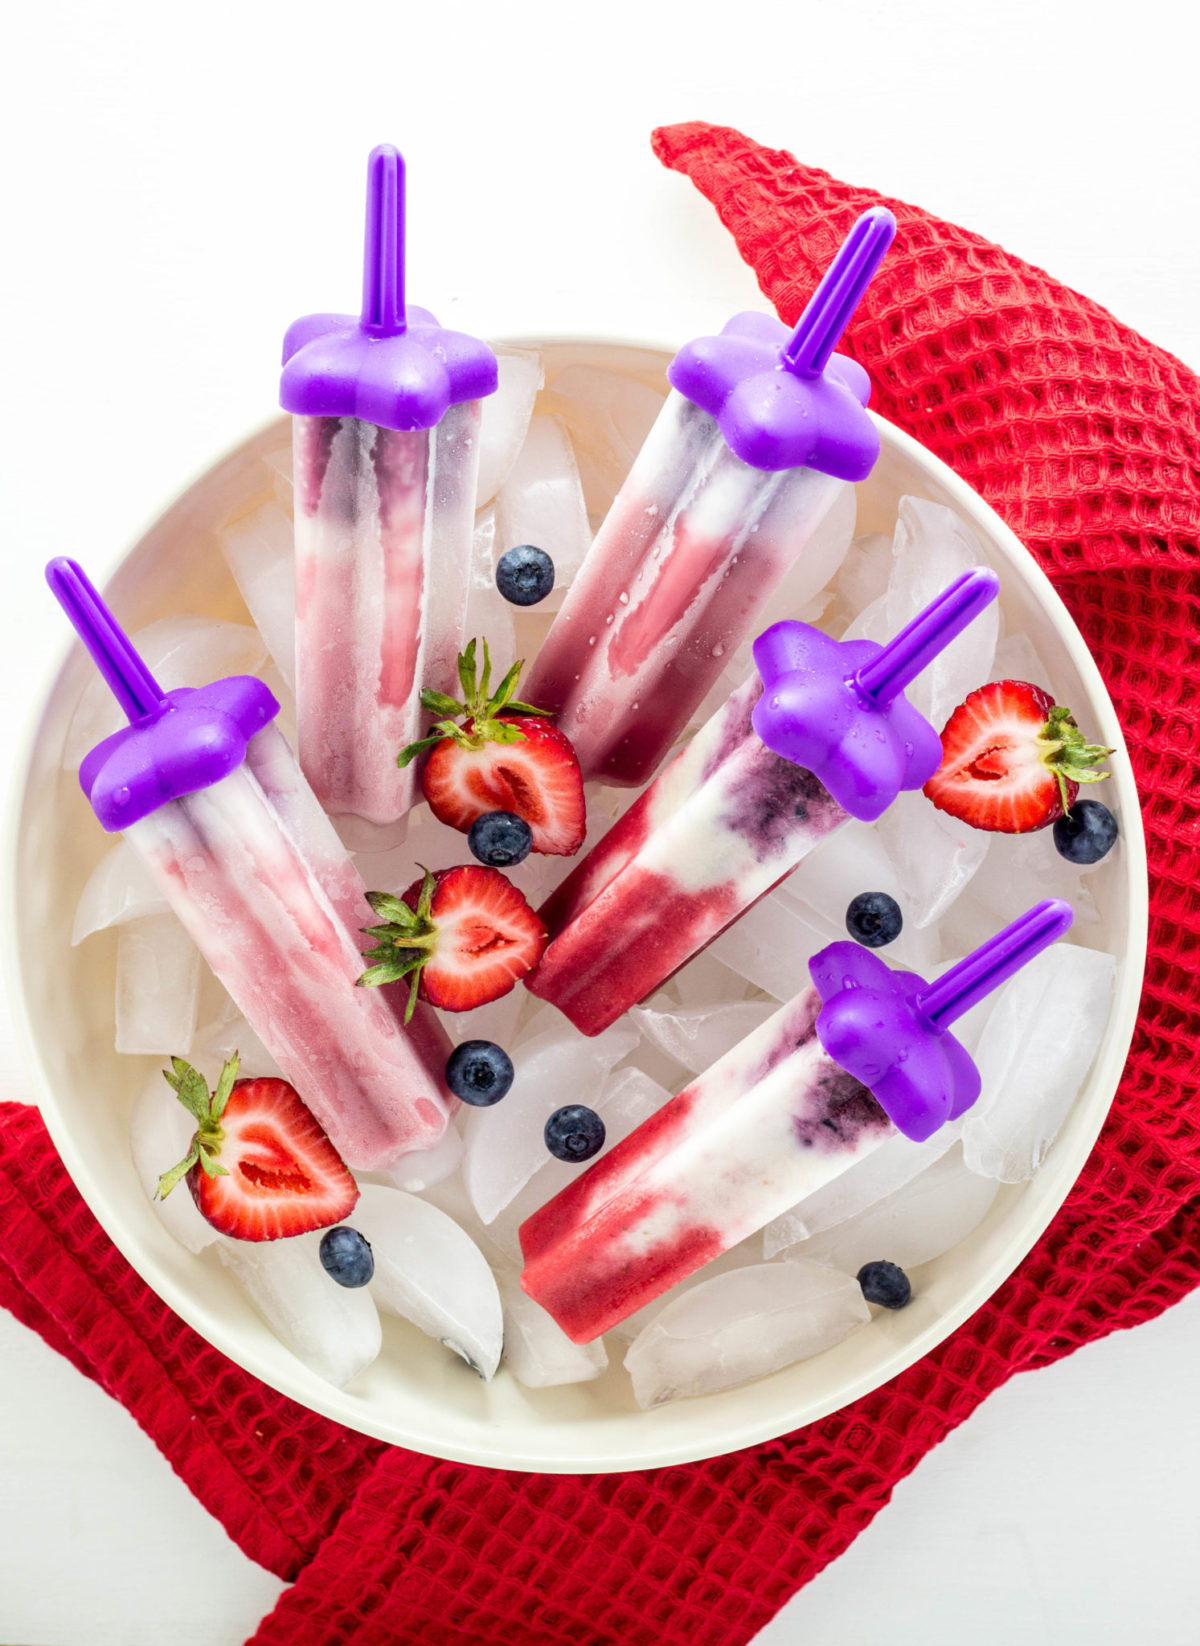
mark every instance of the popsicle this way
{"type": "Point", "coordinates": [861, 1054]}
{"type": "Point", "coordinates": [207, 791]}
{"type": "Point", "coordinates": [761, 431]}
{"type": "Point", "coordinates": [820, 734]}
{"type": "Point", "coordinates": [386, 453]}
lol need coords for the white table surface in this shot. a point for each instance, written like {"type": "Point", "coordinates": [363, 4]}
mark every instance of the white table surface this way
{"type": "Point", "coordinates": [179, 184]}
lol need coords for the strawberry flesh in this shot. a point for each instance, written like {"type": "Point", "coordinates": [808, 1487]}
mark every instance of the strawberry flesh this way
{"type": "Point", "coordinates": [282, 1174]}
{"type": "Point", "coordinates": [1012, 760]}
{"type": "Point", "coordinates": [487, 938]}
{"type": "Point", "coordinates": [538, 778]}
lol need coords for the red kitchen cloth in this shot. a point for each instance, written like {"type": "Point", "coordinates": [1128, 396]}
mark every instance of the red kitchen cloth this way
{"type": "Point", "coordinates": [1085, 438]}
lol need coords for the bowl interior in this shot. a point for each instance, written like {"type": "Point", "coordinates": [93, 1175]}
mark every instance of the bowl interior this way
{"type": "Point", "coordinates": [415, 1395]}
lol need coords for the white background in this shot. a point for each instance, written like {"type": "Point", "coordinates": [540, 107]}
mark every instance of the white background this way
{"type": "Point", "coordinates": [180, 182]}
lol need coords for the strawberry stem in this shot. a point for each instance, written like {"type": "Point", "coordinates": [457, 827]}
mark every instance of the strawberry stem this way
{"type": "Point", "coordinates": [480, 707]}
{"type": "Point", "coordinates": [191, 1088]}
{"type": "Point", "coordinates": [1066, 753]}
{"type": "Point", "coordinates": [404, 943]}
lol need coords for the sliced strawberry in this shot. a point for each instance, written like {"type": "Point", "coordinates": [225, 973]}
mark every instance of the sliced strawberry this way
{"type": "Point", "coordinates": [463, 936]}
{"type": "Point", "coordinates": [1012, 760]}
{"type": "Point", "coordinates": [506, 757]}
{"type": "Point", "coordinates": [260, 1167]}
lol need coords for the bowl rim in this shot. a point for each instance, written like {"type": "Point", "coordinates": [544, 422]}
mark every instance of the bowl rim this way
{"type": "Point", "coordinates": [300, 1385]}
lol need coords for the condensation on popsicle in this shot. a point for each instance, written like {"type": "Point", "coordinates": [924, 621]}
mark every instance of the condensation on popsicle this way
{"type": "Point", "coordinates": [386, 453]}
{"type": "Point", "coordinates": [824, 735]}
{"type": "Point", "coordinates": [860, 1054]}
{"type": "Point", "coordinates": [761, 431]}
{"type": "Point", "coordinates": [206, 789]}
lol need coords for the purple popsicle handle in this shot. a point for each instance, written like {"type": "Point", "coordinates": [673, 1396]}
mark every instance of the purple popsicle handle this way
{"type": "Point", "coordinates": [930, 632]}
{"type": "Point", "coordinates": [819, 329]}
{"type": "Point", "coordinates": [995, 961]}
{"type": "Point", "coordinates": [383, 252]}
{"type": "Point", "coordinates": [133, 686]}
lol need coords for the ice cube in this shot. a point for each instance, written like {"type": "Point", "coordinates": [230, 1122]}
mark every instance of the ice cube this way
{"type": "Point", "coordinates": [505, 418]}
{"type": "Point", "coordinates": [810, 573]}
{"type": "Point", "coordinates": [626, 1100]}
{"type": "Point", "coordinates": [697, 1036]}
{"type": "Point", "coordinates": [929, 1215]}
{"type": "Point", "coordinates": [260, 552]}
{"type": "Point", "coordinates": [160, 1135]}
{"type": "Point", "coordinates": [429, 1271]}
{"type": "Point", "coordinates": [158, 984]}
{"type": "Point", "coordinates": [932, 547]}
{"type": "Point", "coordinates": [280, 465]}
{"type": "Point", "coordinates": [333, 1329]}
{"type": "Point", "coordinates": [609, 415]}
{"type": "Point", "coordinates": [542, 503]}
{"type": "Point", "coordinates": [770, 946]}
{"type": "Point", "coordinates": [706, 980]}
{"type": "Point", "coordinates": [422, 1168]}
{"type": "Point", "coordinates": [880, 1173]}
{"type": "Point", "coordinates": [225, 1033]}
{"type": "Point", "coordinates": [497, 1021]}
{"type": "Point", "coordinates": [489, 616]}
{"type": "Point", "coordinates": [1018, 871]}
{"type": "Point", "coordinates": [537, 1351]}
{"type": "Point", "coordinates": [935, 855]}
{"type": "Point", "coordinates": [119, 888]}
{"type": "Point", "coordinates": [1017, 658]}
{"type": "Point", "coordinates": [863, 577]}
{"type": "Point", "coordinates": [505, 1144]}
{"type": "Point", "coordinates": [839, 869]}
{"type": "Point", "coordinates": [744, 1255]}
{"type": "Point", "coordinates": [741, 1326]}
{"type": "Point", "coordinates": [178, 651]}
{"type": "Point", "coordinates": [1034, 1056]}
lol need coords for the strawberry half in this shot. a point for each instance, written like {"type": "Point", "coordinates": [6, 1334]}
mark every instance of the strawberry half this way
{"type": "Point", "coordinates": [506, 757]}
{"type": "Point", "coordinates": [463, 936]}
{"type": "Point", "coordinates": [1012, 760]}
{"type": "Point", "coordinates": [260, 1167]}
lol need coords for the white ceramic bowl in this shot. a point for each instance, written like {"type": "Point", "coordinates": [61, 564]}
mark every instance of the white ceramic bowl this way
{"type": "Point", "coordinates": [415, 1395]}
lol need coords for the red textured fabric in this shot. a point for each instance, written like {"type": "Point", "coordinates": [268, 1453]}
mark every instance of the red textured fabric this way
{"type": "Point", "coordinates": [1085, 438]}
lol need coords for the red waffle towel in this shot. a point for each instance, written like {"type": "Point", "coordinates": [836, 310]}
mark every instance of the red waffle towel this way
{"type": "Point", "coordinates": [1085, 438]}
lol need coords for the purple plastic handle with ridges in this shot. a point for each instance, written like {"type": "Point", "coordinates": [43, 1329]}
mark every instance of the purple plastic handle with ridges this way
{"type": "Point", "coordinates": [783, 399]}
{"type": "Point", "coordinates": [838, 708]}
{"type": "Point", "coordinates": [177, 742]}
{"type": "Point", "coordinates": [827, 314]}
{"type": "Point", "coordinates": [889, 1028]}
{"type": "Point", "coordinates": [391, 365]}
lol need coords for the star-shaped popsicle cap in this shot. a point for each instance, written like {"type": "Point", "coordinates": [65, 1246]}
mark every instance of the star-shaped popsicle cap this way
{"type": "Point", "coordinates": [782, 399]}
{"type": "Point", "coordinates": [837, 707]}
{"type": "Point", "coordinates": [889, 1029]}
{"type": "Point", "coordinates": [177, 742]}
{"type": "Point", "coordinates": [391, 365]}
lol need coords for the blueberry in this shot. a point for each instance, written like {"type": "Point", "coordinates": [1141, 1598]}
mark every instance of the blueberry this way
{"type": "Point", "coordinates": [500, 839]}
{"type": "Point", "coordinates": [885, 1284]}
{"type": "Point", "coordinates": [874, 919]}
{"type": "Point", "coordinates": [574, 1133]}
{"type": "Point", "coordinates": [1087, 832]}
{"type": "Point", "coordinates": [479, 1072]}
{"type": "Point", "coordinates": [346, 1256]}
{"type": "Point", "coordinates": [525, 575]}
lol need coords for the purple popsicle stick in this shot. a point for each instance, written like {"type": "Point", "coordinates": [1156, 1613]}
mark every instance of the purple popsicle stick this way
{"type": "Point", "coordinates": [994, 962]}
{"type": "Point", "coordinates": [383, 251]}
{"type": "Point", "coordinates": [110, 648]}
{"type": "Point", "coordinates": [827, 314]}
{"type": "Point", "coordinates": [904, 657]}
{"type": "Point", "coordinates": [177, 742]}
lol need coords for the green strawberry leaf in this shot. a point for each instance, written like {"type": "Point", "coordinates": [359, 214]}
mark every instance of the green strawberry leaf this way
{"type": "Point", "coordinates": [190, 1086]}
{"type": "Point", "coordinates": [168, 1180]}
{"type": "Point", "coordinates": [224, 1086]}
